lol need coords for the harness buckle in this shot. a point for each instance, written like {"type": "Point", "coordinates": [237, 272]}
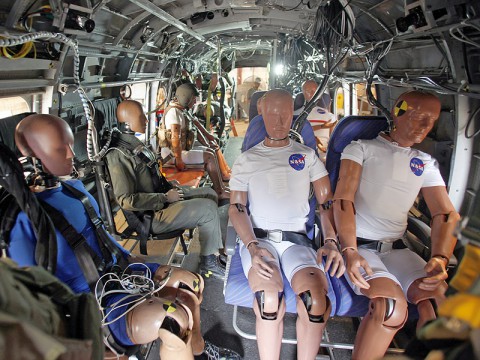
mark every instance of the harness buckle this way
{"type": "Point", "coordinates": [275, 235]}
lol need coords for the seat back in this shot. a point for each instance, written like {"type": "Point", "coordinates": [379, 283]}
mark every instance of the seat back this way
{"type": "Point", "coordinates": [350, 128]}
{"type": "Point", "coordinates": [7, 131]}
{"type": "Point", "coordinates": [252, 110]}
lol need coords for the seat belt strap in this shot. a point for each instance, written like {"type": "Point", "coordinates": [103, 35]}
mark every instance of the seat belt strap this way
{"type": "Point", "coordinates": [89, 261]}
{"type": "Point", "coordinates": [102, 235]}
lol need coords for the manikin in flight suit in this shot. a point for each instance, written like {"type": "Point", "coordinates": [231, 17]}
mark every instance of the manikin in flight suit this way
{"type": "Point", "coordinates": [177, 127]}
{"type": "Point", "coordinates": [274, 177]}
{"type": "Point", "coordinates": [378, 183]}
{"type": "Point", "coordinates": [173, 314]}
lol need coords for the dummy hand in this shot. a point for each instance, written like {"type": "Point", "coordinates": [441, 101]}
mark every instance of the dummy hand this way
{"type": "Point", "coordinates": [334, 261]}
{"type": "Point", "coordinates": [179, 164]}
{"type": "Point", "coordinates": [354, 261]}
{"type": "Point", "coordinates": [174, 195]}
{"type": "Point", "coordinates": [436, 274]}
{"type": "Point", "coordinates": [260, 261]}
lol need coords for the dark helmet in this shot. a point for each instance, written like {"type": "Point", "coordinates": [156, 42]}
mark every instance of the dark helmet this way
{"type": "Point", "coordinates": [184, 94]}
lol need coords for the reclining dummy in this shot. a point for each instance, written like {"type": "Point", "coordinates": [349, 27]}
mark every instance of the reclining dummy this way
{"type": "Point", "coordinates": [273, 236]}
{"type": "Point", "coordinates": [378, 183]}
{"type": "Point", "coordinates": [179, 139]}
{"type": "Point", "coordinates": [173, 314]}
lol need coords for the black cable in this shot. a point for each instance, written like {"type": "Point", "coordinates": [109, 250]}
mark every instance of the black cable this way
{"type": "Point", "coordinates": [468, 125]}
{"type": "Point", "coordinates": [300, 3]}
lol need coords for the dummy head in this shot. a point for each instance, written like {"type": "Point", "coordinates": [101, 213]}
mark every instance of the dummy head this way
{"type": "Point", "coordinates": [414, 115]}
{"type": "Point", "coordinates": [308, 88]}
{"type": "Point", "coordinates": [49, 139]}
{"type": "Point", "coordinates": [131, 112]}
{"type": "Point", "coordinates": [186, 95]}
{"type": "Point", "coordinates": [277, 112]}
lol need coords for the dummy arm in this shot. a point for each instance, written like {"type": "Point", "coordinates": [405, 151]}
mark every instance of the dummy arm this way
{"type": "Point", "coordinates": [239, 216]}
{"type": "Point", "coordinates": [177, 145]}
{"type": "Point", "coordinates": [344, 214]}
{"type": "Point", "coordinates": [444, 220]}
{"type": "Point", "coordinates": [343, 202]}
{"type": "Point", "coordinates": [323, 194]}
{"type": "Point", "coordinates": [243, 226]}
{"type": "Point", "coordinates": [334, 262]}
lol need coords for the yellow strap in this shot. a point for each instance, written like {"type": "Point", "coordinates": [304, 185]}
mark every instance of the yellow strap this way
{"type": "Point", "coordinates": [468, 270]}
{"type": "Point", "coordinates": [463, 307]}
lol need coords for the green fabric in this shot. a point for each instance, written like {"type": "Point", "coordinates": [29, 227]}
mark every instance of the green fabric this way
{"type": "Point", "coordinates": [131, 180]}
{"type": "Point", "coordinates": [35, 297]}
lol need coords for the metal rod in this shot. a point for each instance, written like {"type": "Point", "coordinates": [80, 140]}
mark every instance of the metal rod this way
{"type": "Point", "coordinates": [118, 83]}
{"type": "Point", "coordinates": [163, 15]}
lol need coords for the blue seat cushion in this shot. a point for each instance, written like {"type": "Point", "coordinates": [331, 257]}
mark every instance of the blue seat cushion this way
{"type": "Point", "coordinates": [344, 301]}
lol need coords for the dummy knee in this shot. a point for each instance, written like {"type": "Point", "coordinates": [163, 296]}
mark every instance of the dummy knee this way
{"type": "Point", "coordinates": [178, 278]}
{"type": "Point", "coordinates": [310, 285]}
{"type": "Point", "coordinates": [416, 295]}
{"type": "Point", "coordinates": [145, 320]}
{"type": "Point", "coordinates": [388, 305]}
{"type": "Point", "coordinates": [268, 293]}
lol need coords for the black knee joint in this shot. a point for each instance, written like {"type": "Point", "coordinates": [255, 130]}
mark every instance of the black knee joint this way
{"type": "Point", "coordinates": [260, 297]}
{"type": "Point", "coordinates": [307, 300]}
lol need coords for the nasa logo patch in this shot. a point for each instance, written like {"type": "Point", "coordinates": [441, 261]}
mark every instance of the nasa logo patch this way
{"type": "Point", "coordinates": [417, 166]}
{"type": "Point", "coordinates": [320, 111]}
{"type": "Point", "coordinates": [297, 161]}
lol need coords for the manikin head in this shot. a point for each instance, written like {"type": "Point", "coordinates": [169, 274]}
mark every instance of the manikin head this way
{"type": "Point", "coordinates": [186, 95]}
{"type": "Point", "coordinates": [308, 88]}
{"type": "Point", "coordinates": [277, 112]}
{"type": "Point", "coordinates": [49, 139]}
{"type": "Point", "coordinates": [131, 112]}
{"type": "Point", "coordinates": [414, 115]}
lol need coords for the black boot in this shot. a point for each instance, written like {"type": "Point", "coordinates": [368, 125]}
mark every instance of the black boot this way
{"type": "Point", "coordinates": [210, 267]}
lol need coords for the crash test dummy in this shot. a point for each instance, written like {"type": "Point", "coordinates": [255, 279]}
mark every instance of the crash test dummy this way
{"type": "Point", "coordinates": [137, 186]}
{"type": "Point", "coordinates": [320, 117]}
{"type": "Point", "coordinates": [179, 139]}
{"type": "Point", "coordinates": [274, 178]}
{"type": "Point", "coordinates": [172, 314]}
{"type": "Point", "coordinates": [378, 183]}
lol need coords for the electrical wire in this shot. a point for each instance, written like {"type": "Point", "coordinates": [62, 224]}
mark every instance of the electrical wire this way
{"type": "Point", "coordinates": [470, 121]}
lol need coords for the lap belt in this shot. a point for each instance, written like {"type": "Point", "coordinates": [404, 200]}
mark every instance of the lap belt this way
{"type": "Point", "coordinates": [380, 246]}
{"type": "Point", "coordinates": [279, 236]}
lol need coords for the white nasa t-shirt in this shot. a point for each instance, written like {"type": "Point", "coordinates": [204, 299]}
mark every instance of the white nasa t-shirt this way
{"type": "Point", "coordinates": [321, 116]}
{"type": "Point", "coordinates": [392, 177]}
{"type": "Point", "coordinates": [278, 183]}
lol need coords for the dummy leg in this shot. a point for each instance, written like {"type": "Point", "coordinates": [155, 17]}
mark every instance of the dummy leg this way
{"type": "Point", "coordinates": [269, 307]}
{"type": "Point", "coordinates": [213, 170]}
{"type": "Point", "coordinates": [187, 288]}
{"type": "Point", "coordinates": [423, 299]}
{"type": "Point", "coordinates": [386, 315]}
{"type": "Point", "coordinates": [313, 308]}
{"type": "Point", "coordinates": [169, 321]}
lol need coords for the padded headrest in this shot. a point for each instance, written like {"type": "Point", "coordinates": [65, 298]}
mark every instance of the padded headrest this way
{"type": "Point", "coordinates": [252, 111]}
{"type": "Point", "coordinates": [299, 101]}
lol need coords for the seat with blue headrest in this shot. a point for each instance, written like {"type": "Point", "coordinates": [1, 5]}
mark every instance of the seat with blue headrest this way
{"type": "Point", "coordinates": [252, 110]}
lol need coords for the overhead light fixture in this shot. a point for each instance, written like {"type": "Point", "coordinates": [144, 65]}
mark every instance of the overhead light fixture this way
{"type": "Point", "coordinates": [279, 68]}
